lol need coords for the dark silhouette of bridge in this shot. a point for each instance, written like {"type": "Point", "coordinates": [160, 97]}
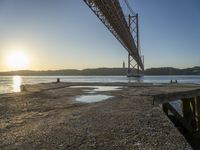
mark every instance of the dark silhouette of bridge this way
{"type": "Point", "coordinates": [125, 31]}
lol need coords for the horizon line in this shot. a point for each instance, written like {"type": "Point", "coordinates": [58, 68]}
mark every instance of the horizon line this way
{"type": "Point", "coordinates": [94, 68]}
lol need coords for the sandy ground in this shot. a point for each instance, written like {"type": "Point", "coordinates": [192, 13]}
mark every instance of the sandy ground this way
{"type": "Point", "coordinates": [47, 116]}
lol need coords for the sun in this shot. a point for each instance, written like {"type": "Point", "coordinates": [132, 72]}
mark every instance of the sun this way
{"type": "Point", "coordinates": [17, 61]}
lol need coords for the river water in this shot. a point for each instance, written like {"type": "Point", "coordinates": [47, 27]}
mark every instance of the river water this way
{"type": "Point", "coordinates": [10, 84]}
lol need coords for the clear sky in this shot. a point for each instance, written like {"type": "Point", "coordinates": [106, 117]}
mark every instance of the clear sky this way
{"type": "Point", "coordinates": [65, 34]}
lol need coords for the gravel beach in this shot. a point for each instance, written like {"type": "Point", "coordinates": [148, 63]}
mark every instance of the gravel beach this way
{"type": "Point", "coordinates": [47, 116]}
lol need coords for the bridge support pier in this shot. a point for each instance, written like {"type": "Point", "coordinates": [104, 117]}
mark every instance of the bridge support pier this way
{"type": "Point", "coordinates": [133, 68]}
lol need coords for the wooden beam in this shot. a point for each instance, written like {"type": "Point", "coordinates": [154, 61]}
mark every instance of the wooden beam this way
{"type": "Point", "coordinates": [167, 97]}
{"type": "Point", "coordinates": [184, 123]}
{"type": "Point", "coordinates": [197, 112]}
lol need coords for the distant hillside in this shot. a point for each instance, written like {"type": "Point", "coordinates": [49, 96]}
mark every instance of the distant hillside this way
{"type": "Point", "coordinates": [104, 71]}
{"type": "Point", "coordinates": [68, 72]}
{"type": "Point", "coordinates": [173, 71]}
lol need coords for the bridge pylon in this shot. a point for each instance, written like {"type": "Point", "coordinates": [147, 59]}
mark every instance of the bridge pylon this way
{"type": "Point", "coordinates": [134, 69]}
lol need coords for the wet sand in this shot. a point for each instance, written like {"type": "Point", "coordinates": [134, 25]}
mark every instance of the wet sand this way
{"type": "Point", "coordinates": [46, 116]}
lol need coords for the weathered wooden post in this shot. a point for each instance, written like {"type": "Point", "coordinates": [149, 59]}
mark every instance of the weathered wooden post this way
{"type": "Point", "coordinates": [187, 110]}
{"type": "Point", "coordinates": [165, 108]}
{"type": "Point", "coordinates": [191, 111]}
{"type": "Point", "coordinates": [58, 80]}
{"type": "Point", "coordinates": [197, 112]}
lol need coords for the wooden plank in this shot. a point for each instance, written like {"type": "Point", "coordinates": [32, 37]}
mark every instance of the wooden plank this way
{"type": "Point", "coordinates": [167, 97]}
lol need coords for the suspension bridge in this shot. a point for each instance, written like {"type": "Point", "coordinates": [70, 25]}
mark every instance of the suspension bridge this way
{"type": "Point", "coordinates": [126, 31]}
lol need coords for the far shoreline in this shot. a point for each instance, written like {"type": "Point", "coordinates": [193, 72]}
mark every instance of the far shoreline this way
{"type": "Point", "coordinates": [162, 71]}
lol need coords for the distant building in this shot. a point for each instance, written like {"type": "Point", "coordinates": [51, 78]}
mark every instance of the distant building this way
{"type": "Point", "coordinates": [124, 65]}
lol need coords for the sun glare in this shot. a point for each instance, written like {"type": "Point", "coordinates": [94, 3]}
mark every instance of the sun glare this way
{"type": "Point", "coordinates": [16, 61]}
{"type": "Point", "coordinates": [17, 80]}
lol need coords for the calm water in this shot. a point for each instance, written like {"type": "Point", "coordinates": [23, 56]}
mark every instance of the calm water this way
{"type": "Point", "coordinates": [92, 95]}
{"type": "Point", "coordinates": [92, 98]}
{"type": "Point", "coordinates": [10, 84]}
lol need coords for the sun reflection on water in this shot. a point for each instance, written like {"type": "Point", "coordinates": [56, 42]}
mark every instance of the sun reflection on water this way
{"type": "Point", "coordinates": [17, 80]}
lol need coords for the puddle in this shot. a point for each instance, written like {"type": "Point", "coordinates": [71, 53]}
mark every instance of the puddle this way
{"type": "Point", "coordinates": [157, 84]}
{"type": "Point", "coordinates": [105, 88]}
{"type": "Point", "coordinates": [92, 98]}
{"type": "Point", "coordinates": [94, 89]}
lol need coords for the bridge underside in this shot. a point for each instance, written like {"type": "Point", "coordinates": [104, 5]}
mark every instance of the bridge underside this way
{"type": "Point", "coordinates": [112, 16]}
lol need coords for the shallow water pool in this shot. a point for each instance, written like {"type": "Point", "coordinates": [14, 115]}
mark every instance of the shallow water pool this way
{"type": "Point", "coordinates": [92, 98]}
{"type": "Point", "coordinates": [98, 88]}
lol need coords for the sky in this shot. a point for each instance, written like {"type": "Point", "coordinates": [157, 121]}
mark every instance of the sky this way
{"type": "Point", "coordinates": [65, 34]}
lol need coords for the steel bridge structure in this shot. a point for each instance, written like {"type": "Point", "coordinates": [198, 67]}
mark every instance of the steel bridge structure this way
{"type": "Point", "coordinates": [125, 31]}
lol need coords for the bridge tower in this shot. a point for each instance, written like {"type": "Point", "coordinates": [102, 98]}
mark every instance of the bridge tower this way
{"type": "Point", "coordinates": [133, 66]}
{"type": "Point", "coordinates": [133, 24]}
